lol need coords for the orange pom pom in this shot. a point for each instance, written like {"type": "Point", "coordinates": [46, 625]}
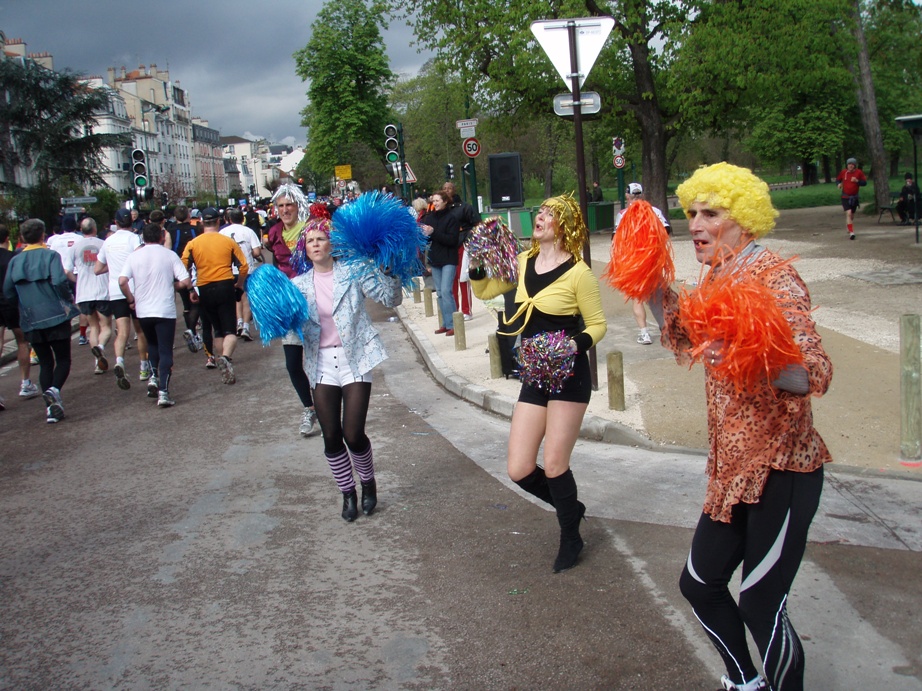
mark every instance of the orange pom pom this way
{"type": "Point", "coordinates": [641, 255]}
{"type": "Point", "coordinates": [743, 313]}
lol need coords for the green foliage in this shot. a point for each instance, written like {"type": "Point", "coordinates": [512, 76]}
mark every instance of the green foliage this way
{"type": "Point", "coordinates": [349, 77]}
{"type": "Point", "coordinates": [46, 122]}
{"type": "Point", "coordinates": [107, 203]}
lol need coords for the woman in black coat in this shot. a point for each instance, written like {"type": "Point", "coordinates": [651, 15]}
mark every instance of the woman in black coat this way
{"type": "Point", "coordinates": [443, 229]}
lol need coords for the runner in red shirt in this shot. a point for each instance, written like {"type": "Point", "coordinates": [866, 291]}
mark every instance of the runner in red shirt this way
{"type": "Point", "coordinates": [849, 181]}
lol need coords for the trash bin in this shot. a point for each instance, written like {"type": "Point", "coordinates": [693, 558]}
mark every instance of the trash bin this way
{"type": "Point", "coordinates": [526, 219]}
{"type": "Point", "coordinates": [601, 217]}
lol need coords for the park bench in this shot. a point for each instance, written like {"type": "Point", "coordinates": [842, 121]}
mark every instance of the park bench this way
{"type": "Point", "coordinates": [888, 208]}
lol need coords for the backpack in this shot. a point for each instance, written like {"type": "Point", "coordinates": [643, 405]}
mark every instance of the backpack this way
{"type": "Point", "coordinates": [183, 233]}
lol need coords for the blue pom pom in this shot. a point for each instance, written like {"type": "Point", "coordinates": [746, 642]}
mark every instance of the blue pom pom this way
{"type": "Point", "coordinates": [278, 307]}
{"type": "Point", "coordinates": [380, 228]}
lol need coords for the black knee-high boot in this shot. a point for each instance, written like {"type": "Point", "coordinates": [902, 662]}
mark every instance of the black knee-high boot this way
{"type": "Point", "coordinates": [536, 483]}
{"type": "Point", "coordinates": [570, 512]}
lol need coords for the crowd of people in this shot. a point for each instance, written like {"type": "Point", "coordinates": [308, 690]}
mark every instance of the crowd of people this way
{"type": "Point", "coordinates": [765, 467]}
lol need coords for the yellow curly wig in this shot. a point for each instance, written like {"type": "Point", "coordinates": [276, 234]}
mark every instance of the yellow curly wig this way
{"type": "Point", "coordinates": [738, 190]}
{"type": "Point", "coordinates": [571, 229]}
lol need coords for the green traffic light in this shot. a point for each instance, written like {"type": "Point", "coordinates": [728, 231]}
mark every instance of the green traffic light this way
{"type": "Point", "coordinates": [392, 157]}
{"type": "Point", "coordinates": [140, 181]}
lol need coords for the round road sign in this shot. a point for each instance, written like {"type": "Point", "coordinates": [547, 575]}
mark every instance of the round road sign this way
{"type": "Point", "coordinates": [618, 161]}
{"type": "Point", "coordinates": [471, 147]}
{"type": "Point", "coordinates": [340, 184]}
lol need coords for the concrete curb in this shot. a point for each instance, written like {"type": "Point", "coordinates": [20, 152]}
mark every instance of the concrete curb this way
{"type": "Point", "coordinates": [593, 428]}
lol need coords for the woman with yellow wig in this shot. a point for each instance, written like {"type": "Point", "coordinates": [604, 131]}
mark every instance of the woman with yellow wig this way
{"type": "Point", "coordinates": [765, 466]}
{"type": "Point", "coordinates": [557, 298]}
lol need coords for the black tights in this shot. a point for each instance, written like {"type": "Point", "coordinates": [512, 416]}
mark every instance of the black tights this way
{"type": "Point", "coordinates": [341, 413]}
{"type": "Point", "coordinates": [769, 539]}
{"type": "Point", "coordinates": [294, 363]}
{"type": "Point", "coordinates": [54, 360]}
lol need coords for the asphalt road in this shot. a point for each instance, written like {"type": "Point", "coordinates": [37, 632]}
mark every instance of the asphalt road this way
{"type": "Point", "coordinates": [201, 547]}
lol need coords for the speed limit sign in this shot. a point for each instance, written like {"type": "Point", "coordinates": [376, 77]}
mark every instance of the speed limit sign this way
{"type": "Point", "coordinates": [471, 147]}
{"type": "Point", "coordinates": [618, 161]}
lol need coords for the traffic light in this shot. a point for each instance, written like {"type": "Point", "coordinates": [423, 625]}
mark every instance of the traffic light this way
{"type": "Point", "coordinates": [391, 143]}
{"type": "Point", "coordinates": [252, 190]}
{"type": "Point", "coordinates": [164, 199]}
{"type": "Point", "coordinates": [395, 169]}
{"type": "Point", "coordinates": [139, 169]}
{"type": "Point", "coordinates": [449, 171]}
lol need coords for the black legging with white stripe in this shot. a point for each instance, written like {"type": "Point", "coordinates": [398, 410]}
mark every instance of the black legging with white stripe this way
{"type": "Point", "coordinates": [769, 539]}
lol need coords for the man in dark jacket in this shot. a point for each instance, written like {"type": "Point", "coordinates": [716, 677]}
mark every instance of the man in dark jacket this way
{"type": "Point", "coordinates": [467, 219]}
{"type": "Point", "coordinates": [9, 319]}
{"type": "Point", "coordinates": [36, 281]}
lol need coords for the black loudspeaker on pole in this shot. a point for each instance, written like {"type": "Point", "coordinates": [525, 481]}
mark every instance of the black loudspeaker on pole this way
{"type": "Point", "coordinates": [506, 191]}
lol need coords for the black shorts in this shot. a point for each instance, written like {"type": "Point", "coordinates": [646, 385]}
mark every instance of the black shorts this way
{"type": "Point", "coordinates": [104, 307]}
{"type": "Point", "coordinates": [850, 203]}
{"type": "Point", "coordinates": [576, 389]}
{"type": "Point", "coordinates": [61, 332]}
{"type": "Point", "coordinates": [218, 303]}
{"type": "Point", "coordinates": [120, 309]}
{"type": "Point", "coordinates": [9, 317]}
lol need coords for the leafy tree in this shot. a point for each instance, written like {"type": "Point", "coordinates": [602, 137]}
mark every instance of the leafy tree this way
{"type": "Point", "coordinates": [106, 204]}
{"type": "Point", "coordinates": [490, 43]}
{"type": "Point", "coordinates": [46, 127]}
{"type": "Point", "coordinates": [349, 76]}
{"type": "Point", "coordinates": [744, 72]}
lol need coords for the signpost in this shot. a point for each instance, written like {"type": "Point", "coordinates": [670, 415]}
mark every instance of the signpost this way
{"type": "Point", "coordinates": [77, 201]}
{"type": "Point", "coordinates": [573, 45]}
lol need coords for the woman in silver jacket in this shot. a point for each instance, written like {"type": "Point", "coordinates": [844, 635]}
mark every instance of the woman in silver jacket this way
{"type": "Point", "coordinates": [341, 347]}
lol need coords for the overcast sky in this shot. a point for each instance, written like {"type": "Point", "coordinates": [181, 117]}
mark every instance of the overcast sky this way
{"type": "Point", "coordinates": [233, 58]}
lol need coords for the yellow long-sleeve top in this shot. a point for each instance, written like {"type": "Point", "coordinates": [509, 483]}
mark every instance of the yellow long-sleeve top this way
{"type": "Point", "coordinates": [573, 292]}
{"type": "Point", "coordinates": [213, 255]}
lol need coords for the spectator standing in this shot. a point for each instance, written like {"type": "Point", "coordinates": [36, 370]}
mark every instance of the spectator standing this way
{"type": "Point", "coordinates": [36, 282]}
{"type": "Point", "coordinates": [467, 219]}
{"type": "Point", "coordinates": [850, 180]}
{"type": "Point", "coordinates": [596, 192]}
{"type": "Point", "coordinates": [442, 227]}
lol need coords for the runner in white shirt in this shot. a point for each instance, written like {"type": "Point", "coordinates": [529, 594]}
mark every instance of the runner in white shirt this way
{"type": "Point", "coordinates": [112, 256]}
{"type": "Point", "coordinates": [252, 249]}
{"type": "Point", "coordinates": [92, 292]}
{"type": "Point", "coordinates": [149, 280]}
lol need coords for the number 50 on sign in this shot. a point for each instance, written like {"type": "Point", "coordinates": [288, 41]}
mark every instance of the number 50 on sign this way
{"type": "Point", "coordinates": [471, 147]}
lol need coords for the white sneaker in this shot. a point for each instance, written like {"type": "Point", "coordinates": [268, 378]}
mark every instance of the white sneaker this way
{"type": "Point", "coordinates": [164, 400]}
{"type": "Point", "coordinates": [29, 390]}
{"type": "Point", "coordinates": [189, 338]}
{"type": "Point", "coordinates": [145, 373]}
{"type": "Point", "coordinates": [643, 338]}
{"type": "Point", "coordinates": [757, 684]}
{"type": "Point", "coordinates": [246, 333]}
{"type": "Point", "coordinates": [308, 422]}
{"type": "Point", "coordinates": [468, 317]}
{"type": "Point", "coordinates": [55, 405]}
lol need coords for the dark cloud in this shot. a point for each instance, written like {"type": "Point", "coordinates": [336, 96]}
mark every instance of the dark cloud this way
{"type": "Point", "coordinates": [233, 57]}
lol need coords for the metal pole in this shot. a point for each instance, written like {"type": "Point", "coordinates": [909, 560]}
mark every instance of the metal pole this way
{"type": "Point", "coordinates": [403, 164]}
{"type": "Point", "coordinates": [581, 168]}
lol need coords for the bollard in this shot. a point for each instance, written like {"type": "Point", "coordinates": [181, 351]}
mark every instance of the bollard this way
{"type": "Point", "coordinates": [496, 362]}
{"type": "Point", "coordinates": [457, 323]}
{"type": "Point", "coordinates": [427, 293]}
{"type": "Point", "coordinates": [910, 390]}
{"type": "Point", "coordinates": [417, 297]}
{"type": "Point", "coordinates": [616, 380]}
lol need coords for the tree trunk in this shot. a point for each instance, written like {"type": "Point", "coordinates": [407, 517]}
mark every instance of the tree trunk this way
{"type": "Point", "coordinates": [652, 128]}
{"type": "Point", "coordinates": [827, 171]}
{"type": "Point", "coordinates": [867, 106]}
{"type": "Point", "coordinates": [809, 172]}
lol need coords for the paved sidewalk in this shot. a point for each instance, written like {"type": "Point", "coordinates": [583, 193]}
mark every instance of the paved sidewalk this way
{"type": "Point", "coordinates": [859, 290]}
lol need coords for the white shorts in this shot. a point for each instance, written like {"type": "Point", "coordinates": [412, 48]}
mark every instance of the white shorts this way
{"type": "Point", "coordinates": [333, 369]}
